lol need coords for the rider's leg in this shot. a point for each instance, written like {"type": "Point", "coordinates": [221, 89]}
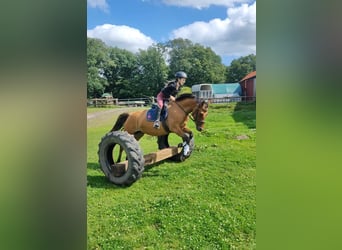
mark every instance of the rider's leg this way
{"type": "Point", "coordinates": [160, 98]}
{"type": "Point", "coordinates": [156, 123]}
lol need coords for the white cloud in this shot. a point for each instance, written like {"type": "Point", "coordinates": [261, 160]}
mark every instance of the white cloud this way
{"type": "Point", "coordinates": [233, 36]}
{"type": "Point", "coordinates": [123, 37]}
{"type": "Point", "coordinates": [101, 4]}
{"type": "Point", "coordinates": [199, 4]}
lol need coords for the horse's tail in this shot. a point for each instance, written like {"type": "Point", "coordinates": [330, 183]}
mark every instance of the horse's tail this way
{"type": "Point", "coordinates": [120, 122]}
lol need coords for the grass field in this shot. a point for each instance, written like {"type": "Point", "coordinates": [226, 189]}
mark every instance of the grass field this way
{"type": "Point", "coordinates": [206, 202]}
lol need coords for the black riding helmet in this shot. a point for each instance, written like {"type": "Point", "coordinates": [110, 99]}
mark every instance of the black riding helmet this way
{"type": "Point", "coordinates": [181, 74]}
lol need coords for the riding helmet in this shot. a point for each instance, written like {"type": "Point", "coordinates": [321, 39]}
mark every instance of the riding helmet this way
{"type": "Point", "coordinates": [181, 74]}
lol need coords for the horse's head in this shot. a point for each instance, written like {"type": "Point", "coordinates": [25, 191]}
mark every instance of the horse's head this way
{"type": "Point", "coordinates": [199, 114]}
{"type": "Point", "coordinates": [198, 110]}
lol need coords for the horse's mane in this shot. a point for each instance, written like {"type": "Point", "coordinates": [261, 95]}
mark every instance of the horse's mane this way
{"type": "Point", "coordinates": [184, 96]}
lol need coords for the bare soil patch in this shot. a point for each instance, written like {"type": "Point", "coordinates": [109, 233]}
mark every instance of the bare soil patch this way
{"type": "Point", "coordinates": [106, 116]}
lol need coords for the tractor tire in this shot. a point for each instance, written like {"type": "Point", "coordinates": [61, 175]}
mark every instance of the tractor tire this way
{"type": "Point", "coordinates": [134, 157]}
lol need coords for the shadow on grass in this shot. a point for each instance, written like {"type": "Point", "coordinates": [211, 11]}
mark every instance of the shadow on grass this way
{"type": "Point", "coordinates": [152, 171]}
{"type": "Point", "coordinates": [93, 165]}
{"type": "Point", "coordinates": [101, 181]}
{"type": "Point", "coordinates": [245, 113]}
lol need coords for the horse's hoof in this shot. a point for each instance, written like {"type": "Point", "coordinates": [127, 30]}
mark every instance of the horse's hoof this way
{"type": "Point", "coordinates": [186, 150]}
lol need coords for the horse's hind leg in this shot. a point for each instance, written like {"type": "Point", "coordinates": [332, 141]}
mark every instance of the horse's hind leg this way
{"type": "Point", "coordinates": [163, 141]}
{"type": "Point", "coordinates": [138, 135]}
{"type": "Point", "coordinates": [120, 154]}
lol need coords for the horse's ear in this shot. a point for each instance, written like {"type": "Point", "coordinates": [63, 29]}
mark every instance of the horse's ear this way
{"type": "Point", "coordinates": [205, 104]}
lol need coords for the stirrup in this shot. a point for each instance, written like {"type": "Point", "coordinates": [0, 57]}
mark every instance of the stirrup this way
{"type": "Point", "coordinates": [156, 124]}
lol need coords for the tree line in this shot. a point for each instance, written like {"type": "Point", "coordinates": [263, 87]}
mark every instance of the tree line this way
{"type": "Point", "coordinates": [125, 74]}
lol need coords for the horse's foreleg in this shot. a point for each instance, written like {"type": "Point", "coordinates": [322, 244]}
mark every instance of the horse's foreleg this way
{"type": "Point", "coordinates": [186, 136]}
{"type": "Point", "coordinates": [183, 134]}
{"type": "Point", "coordinates": [189, 133]}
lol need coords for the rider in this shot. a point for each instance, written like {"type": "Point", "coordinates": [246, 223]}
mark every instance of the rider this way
{"type": "Point", "coordinates": [168, 93]}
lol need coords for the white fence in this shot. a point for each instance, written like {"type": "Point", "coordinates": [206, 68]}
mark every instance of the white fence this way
{"type": "Point", "coordinates": [131, 102]}
{"type": "Point", "coordinates": [142, 102]}
{"type": "Point", "coordinates": [233, 99]}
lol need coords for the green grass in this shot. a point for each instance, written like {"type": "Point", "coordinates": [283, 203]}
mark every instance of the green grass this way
{"type": "Point", "coordinates": [206, 202]}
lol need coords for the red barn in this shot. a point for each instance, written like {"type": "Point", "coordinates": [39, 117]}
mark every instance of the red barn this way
{"type": "Point", "coordinates": [248, 86]}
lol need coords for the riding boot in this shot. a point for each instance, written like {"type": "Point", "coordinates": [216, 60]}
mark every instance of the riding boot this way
{"type": "Point", "coordinates": [156, 123]}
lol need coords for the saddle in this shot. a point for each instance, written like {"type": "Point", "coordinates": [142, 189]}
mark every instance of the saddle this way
{"type": "Point", "coordinates": [151, 114]}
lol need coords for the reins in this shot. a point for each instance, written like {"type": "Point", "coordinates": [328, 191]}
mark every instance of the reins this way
{"type": "Point", "coordinates": [187, 113]}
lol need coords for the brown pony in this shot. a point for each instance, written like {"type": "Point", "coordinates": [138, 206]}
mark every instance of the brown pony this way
{"type": "Point", "coordinates": [179, 111]}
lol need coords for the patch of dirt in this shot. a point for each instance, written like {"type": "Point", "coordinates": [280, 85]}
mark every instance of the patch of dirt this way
{"type": "Point", "coordinates": [98, 118]}
{"type": "Point", "coordinates": [242, 137]}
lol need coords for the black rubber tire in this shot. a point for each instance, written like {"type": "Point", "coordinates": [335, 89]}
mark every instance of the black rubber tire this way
{"type": "Point", "coordinates": [133, 152]}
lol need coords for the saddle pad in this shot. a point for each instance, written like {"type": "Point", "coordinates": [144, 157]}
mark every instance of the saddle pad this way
{"type": "Point", "coordinates": [151, 114]}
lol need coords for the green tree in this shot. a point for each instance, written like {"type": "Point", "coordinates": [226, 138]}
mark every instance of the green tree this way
{"type": "Point", "coordinates": [206, 65]}
{"type": "Point", "coordinates": [125, 74]}
{"type": "Point", "coordinates": [119, 72]}
{"type": "Point", "coordinates": [240, 67]}
{"type": "Point", "coordinates": [96, 61]}
{"type": "Point", "coordinates": [199, 62]}
{"type": "Point", "coordinates": [152, 71]}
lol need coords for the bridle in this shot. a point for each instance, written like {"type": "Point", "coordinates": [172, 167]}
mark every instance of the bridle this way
{"type": "Point", "coordinates": [189, 114]}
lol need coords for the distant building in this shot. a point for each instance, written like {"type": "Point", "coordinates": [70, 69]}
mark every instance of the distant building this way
{"type": "Point", "coordinates": [221, 90]}
{"type": "Point", "coordinates": [202, 91]}
{"type": "Point", "coordinates": [248, 86]}
{"type": "Point", "coordinates": [217, 90]}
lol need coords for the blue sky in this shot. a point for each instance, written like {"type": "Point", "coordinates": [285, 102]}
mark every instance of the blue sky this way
{"type": "Point", "coordinates": [227, 26]}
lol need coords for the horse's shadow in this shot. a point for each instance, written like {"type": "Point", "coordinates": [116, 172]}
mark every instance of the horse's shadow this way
{"type": "Point", "coordinates": [101, 181]}
{"type": "Point", "coordinates": [151, 171]}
